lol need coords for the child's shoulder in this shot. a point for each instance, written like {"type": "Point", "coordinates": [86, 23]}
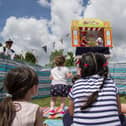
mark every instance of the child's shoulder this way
{"type": "Point", "coordinates": [54, 68]}
{"type": "Point", "coordinates": [26, 105]}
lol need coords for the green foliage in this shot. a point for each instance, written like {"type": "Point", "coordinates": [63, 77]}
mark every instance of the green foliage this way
{"type": "Point", "coordinates": [19, 57]}
{"type": "Point", "coordinates": [29, 57]}
{"type": "Point", "coordinates": [69, 58]}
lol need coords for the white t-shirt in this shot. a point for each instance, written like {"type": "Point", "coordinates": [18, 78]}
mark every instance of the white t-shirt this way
{"type": "Point", "coordinates": [7, 52]}
{"type": "Point", "coordinates": [59, 75]}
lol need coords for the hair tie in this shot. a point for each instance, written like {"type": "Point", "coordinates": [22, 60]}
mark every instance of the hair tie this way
{"type": "Point", "coordinates": [105, 64]}
{"type": "Point", "coordinates": [86, 65]}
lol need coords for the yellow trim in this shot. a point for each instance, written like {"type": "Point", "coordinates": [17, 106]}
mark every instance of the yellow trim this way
{"type": "Point", "coordinates": [90, 22]}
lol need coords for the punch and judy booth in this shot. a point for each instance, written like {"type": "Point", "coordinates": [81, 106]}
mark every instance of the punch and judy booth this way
{"type": "Point", "coordinates": [91, 29]}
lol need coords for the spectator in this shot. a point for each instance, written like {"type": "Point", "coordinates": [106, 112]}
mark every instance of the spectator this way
{"type": "Point", "coordinates": [6, 50]}
{"type": "Point", "coordinates": [16, 110]}
{"type": "Point", "coordinates": [93, 98]}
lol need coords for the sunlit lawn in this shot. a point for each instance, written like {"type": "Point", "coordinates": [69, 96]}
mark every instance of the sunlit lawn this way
{"type": "Point", "coordinates": [45, 102]}
{"type": "Point", "coordinates": [123, 99]}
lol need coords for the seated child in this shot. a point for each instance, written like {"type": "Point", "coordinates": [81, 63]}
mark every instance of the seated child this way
{"type": "Point", "coordinates": [93, 98]}
{"type": "Point", "coordinates": [21, 83]}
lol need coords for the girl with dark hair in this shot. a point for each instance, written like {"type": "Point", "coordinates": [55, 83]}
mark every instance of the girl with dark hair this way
{"type": "Point", "coordinates": [93, 98]}
{"type": "Point", "coordinates": [21, 83]}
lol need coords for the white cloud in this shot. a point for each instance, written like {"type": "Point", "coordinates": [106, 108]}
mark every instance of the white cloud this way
{"type": "Point", "coordinates": [30, 33]}
{"type": "Point", "coordinates": [44, 3]}
{"type": "Point", "coordinates": [62, 14]}
{"type": "Point", "coordinates": [27, 33]}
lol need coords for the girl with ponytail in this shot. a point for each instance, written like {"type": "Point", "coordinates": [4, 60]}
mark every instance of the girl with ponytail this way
{"type": "Point", "coordinates": [16, 110]}
{"type": "Point", "coordinates": [93, 98]}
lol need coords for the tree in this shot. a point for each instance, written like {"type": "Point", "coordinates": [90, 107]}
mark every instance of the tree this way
{"type": "Point", "coordinates": [29, 57]}
{"type": "Point", "coordinates": [69, 59]}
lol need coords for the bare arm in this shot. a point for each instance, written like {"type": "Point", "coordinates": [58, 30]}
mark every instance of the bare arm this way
{"type": "Point", "coordinates": [39, 117]}
{"type": "Point", "coordinates": [123, 108]}
{"type": "Point", "coordinates": [51, 77]}
{"type": "Point", "coordinates": [69, 75]}
{"type": "Point", "coordinates": [71, 107]}
{"type": "Point", "coordinates": [118, 103]}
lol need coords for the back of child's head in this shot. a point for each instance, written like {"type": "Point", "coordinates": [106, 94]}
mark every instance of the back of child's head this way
{"type": "Point", "coordinates": [59, 60]}
{"type": "Point", "coordinates": [93, 63]}
{"type": "Point", "coordinates": [17, 82]}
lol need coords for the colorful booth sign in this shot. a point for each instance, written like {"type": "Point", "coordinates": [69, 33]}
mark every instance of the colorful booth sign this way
{"type": "Point", "coordinates": [92, 29]}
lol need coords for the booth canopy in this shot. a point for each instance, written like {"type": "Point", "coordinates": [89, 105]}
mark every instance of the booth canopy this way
{"type": "Point", "coordinates": [90, 22]}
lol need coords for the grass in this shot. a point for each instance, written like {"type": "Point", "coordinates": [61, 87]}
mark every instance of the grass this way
{"type": "Point", "coordinates": [45, 102]}
{"type": "Point", "coordinates": [123, 99]}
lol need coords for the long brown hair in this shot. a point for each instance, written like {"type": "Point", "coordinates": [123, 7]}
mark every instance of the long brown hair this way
{"type": "Point", "coordinates": [17, 83]}
{"type": "Point", "coordinates": [95, 64]}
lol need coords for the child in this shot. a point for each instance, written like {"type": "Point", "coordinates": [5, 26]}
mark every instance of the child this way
{"type": "Point", "coordinates": [93, 100]}
{"type": "Point", "coordinates": [59, 86]}
{"type": "Point", "coordinates": [7, 49]}
{"type": "Point", "coordinates": [21, 83]}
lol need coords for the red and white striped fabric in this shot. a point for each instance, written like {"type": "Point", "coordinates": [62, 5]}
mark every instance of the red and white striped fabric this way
{"type": "Point", "coordinates": [90, 29]}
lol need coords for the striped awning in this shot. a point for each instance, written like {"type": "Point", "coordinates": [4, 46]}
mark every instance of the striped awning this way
{"type": "Point", "coordinates": [90, 29]}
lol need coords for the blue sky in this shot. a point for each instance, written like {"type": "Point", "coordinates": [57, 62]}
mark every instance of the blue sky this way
{"type": "Point", "coordinates": [29, 22]}
{"type": "Point", "coordinates": [22, 8]}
